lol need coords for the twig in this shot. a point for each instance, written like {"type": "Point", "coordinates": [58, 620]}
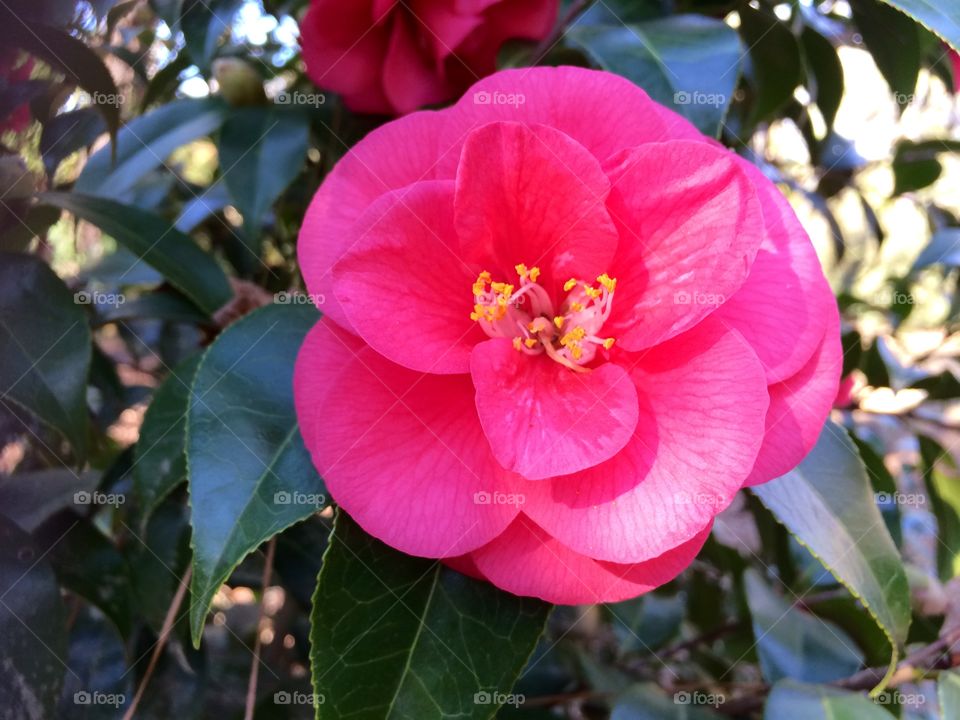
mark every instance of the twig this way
{"type": "Point", "coordinates": [255, 666]}
{"type": "Point", "coordinates": [165, 630]}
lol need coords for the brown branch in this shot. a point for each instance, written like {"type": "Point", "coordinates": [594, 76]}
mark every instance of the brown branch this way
{"type": "Point", "coordinates": [255, 666]}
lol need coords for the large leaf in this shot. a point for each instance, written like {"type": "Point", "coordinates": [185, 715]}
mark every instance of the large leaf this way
{"type": "Point", "coordinates": [942, 479]}
{"type": "Point", "coordinates": [204, 22]}
{"type": "Point", "coordinates": [146, 142]}
{"type": "Point", "coordinates": [941, 18]}
{"type": "Point", "coordinates": [250, 475]}
{"type": "Point", "coordinates": [150, 237]}
{"type": "Point", "coordinates": [948, 694]}
{"type": "Point", "coordinates": [795, 701]}
{"type": "Point", "coordinates": [827, 503]}
{"type": "Point", "coordinates": [68, 132]}
{"type": "Point", "coordinates": [774, 60]}
{"type": "Point", "coordinates": [823, 64]}
{"type": "Point", "coordinates": [67, 55]}
{"type": "Point", "coordinates": [33, 635]}
{"type": "Point", "coordinates": [690, 63]}
{"type": "Point", "coordinates": [32, 497]}
{"type": "Point", "coordinates": [45, 347]}
{"type": "Point", "coordinates": [261, 151]}
{"type": "Point", "coordinates": [161, 461]}
{"type": "Point", "coordinates": [793, 643]}
{"type": "Point", "coordinates": [395, 636]}
{"type": "Point", "coordinates": [99, 684]}
{"type": "Point", "coordinates": [894, 41]}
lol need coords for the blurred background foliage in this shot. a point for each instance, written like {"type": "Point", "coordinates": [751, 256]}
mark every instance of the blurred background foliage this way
{"type": "Point", "coordinates": [156, 159]}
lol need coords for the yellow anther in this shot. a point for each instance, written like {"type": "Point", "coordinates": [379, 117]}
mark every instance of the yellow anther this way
{"type": "Point", "coordinates": [576, 351]}
{"type": "Point", "coordinates": [534, 274]}
{"type": "Point", "coordinates": [569, 284]}
{"type": "Point", "coordinates": [608, 343]}
{"type": "Point", "coordinates": [608, 282]}
{"type": "Point", "coordinates": [516, 343]}
{"type": "Point", "coordinates": [502, 289]}
{"type": "Point", "coordinates": [480, 286]}
{"type": "Point", "coordinates": [530, 342]}
{"type": "Point", "coordinates": [573, 337]}
{"type": "Point", "coordinates": [538, 325]}
{"type": "Point", "coordinates": [558, 321]}
{"type": "Point", "coordinates": [577, 307]}
{"type": "Point", "coordinates": [521, 271]}
{"type": "Point", "coordinates": [591, 291]}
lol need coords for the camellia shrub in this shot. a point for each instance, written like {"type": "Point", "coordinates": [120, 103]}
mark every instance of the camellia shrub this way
{"type": "Point", "coordinates": [394, 359]}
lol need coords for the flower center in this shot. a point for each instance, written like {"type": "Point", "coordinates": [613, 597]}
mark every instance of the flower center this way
{"type": "Point", "coordinates": [526, 314]}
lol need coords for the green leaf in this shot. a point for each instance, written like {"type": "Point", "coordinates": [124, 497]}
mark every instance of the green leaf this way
{"type": "Point", "coordinates": [943, 249]}
{"type": "Point", "coordinates": [152, 238]}
{"type": "Point", "coordinates": [65, 54]}
{"type": "Point", "coordinates": [394, 636]}
{"type": "Point", "coordinates": [941, 18]}
{"type": "Point", "coordinates": [161, 461]}
{"type": "Point", "coordinates": [250, 475]}
{"type": "Point", "coordinates": [915, 166]}
{"type": "Point", "coordinates": [942, 478]}
{"type": "Point", "coordinates": [32, 497]}
{"type": "Point", "coordinates": [793, 643]}
{"type": "Point", "coordinates": [68, 132]}
{"type": "Point", "coordinates": [204, 22]}
{"type": "Point", "coordinates": [795, 701]}
{"type": "Point", "coordinates": [45, 344]}
{"type": "Point", "coordinates": [98, 668]}
{"type": "Point", "coordinates": [146, 142]}
{"type": "Point", "coordinates": [894, 41]}
{"type": "Point", "coordinates": [948, 693]}
{"type": "Point", "coordinates": [824, 64]}
{"type": "Point", "coordinates": [646, 701]}
{"type": "Point", "coordinates": [690, 63]}
{"type": "Point", "coordinates": [774, 59]}
{"type": "Point", "coordinates": [827, 503]}
{"type": "Point", "coordinates": [262, 150]}
{"type": "Point", "coordinates": [33, 636]}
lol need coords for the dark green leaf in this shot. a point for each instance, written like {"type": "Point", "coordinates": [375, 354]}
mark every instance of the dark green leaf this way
{"type": "Point", "coordinates": [68, 132]}
{"type": "Point", "coordinates": [824, 64]}
{"type": "Point", "coordinates": [646, 701]}
{"type": "Point", "coordinates": [690, 63]}
{"type": "Point", "coordinates": [161, 461]}
{"type": "Point", "coordinates": [941, 18]}
{"type": "Point", "coordinates": [98, 685]}
{"type": "Point", "coordinates": [250, 475]}
{"type": "Point", "coordinates": [33, 637]}
{"type": "Point", "coordinates": [45, 344]}
{"type": "Point", "coordinates": [395, 636]}
{"type": "Point", "coordinates": [163, 305]}
{"type": "Point", "coordinates": [262, 150]}
{"type": "Point", "coordinates": [32, 497]}
{"type": "Point", "coordinates": [827, 503]}
{"type": "Point", "coordinates": [150, 237]}
{"type": "Point", "coordinates": [942, 479]}
{"type": "Point", "coordinates": [774, 60]}
{"type": "Point", "coordinates": [146, 142]}
{"type": "Point", "coordinates": [64, 53]}
{"type": "Point", "coordinates": [204, 22]}
{"type": "Point", "coordinates": [894, 41]}
{"type": "Point", "coordinates": [793, 643]}
{"type": "Point", "coordinates": [795, 701]}
{"type": "Point", "coordinates": [165, 81]}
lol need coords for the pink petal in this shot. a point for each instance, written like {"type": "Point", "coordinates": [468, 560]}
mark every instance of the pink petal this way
{"type": "Point", "coordinates": [799, 406]}
{"type": "Point", "coordinates": [402, 453]}
{"type": "Point", "coordinates": [415, 314]}
{"type": "Point", "coordinates": [690, 225]}
{"type": "Point", "coordinates": [532, 195]}
{"type": "Point", "coordinates": [703, 399]}
{"type": "Point", "coordinates": [785, 303]}
{"type": "Point", "coordinates": [443, 26]}
{"type": "Point", "coordinates": [410, 76]}
{"type": "Point", "coordinates": [526, 561]}
{"type": "Point", "coordinates": [543, 419]}
{"type": "Point", "coordinates": [391, 157]}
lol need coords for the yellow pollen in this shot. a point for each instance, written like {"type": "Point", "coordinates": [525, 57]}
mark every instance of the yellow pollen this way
{"type": "Point", "coordinates": [591, 291]}
{"type": "Point", "coordinates": [558, 321]}
{"type": "Point", "coordinates": [576, 351]}
{"type": "Point", "coordinates": [577, 307]}
{"type": "Point", "coordinates": [569, 284]}
{"type": "Point", "coordinates": [573, 337]}
{"type": "Point", "coordinates": [516, 343]}
{"type": "Point", "coordinates": [521, 271]}
{"type": "Point", "coordinates": [530, 342]}
{"type": "Point", "coordinates": [608, 282]}
{"type": "Point", "coordinates": [534, 274]}
{"type": "Point", "coordinates": [481, 283]}
{"type": "Point", "coordinates": [608, 343]}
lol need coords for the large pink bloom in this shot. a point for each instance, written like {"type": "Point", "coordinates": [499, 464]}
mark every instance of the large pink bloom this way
{"type": "Point", "coordinates": [559, 335]}
{"type": "Point", "coordinates": [394, 56]}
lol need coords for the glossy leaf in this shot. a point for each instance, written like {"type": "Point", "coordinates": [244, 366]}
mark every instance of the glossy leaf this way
{"type": "Point", "coordinates": [98, 686]}
{"type": "Point", "coordinates": [45, 344]}
{"type": "Point", "coordinates": [793, 643]}
{"type": "Point", "coordinates": [150, 237]}
{"type": "Point", "coordinates": [894, 41]}
{"type": "Point", "coordinates": [827, 503]}
{"type": "Point", "coordinates": [789, 700]}
{"type": "Point", "coordinates": [33, 636]}
{"type": "Point", "coordinates": [204, 22]}
{"type": "Point", "coordinates": [394, 636]}
{"type": "Point", "coordinates": [941, 18]}
{"type": "Point", "coordinates": [146, 142]}
{"type": "Point", "coordinates": [250, 475]}
{"type": "Point", "coordinates": [689, 63]}
{"type": "Point", "coordinates": [68, 132]}
{"type": "Point", "coordinates": [775, 60]}
{"type": "Point", "coordinates": [262, 150]}
{"type": "Point", "coordinates": [824, 64]}
{"type": "Point", "coordinates": [32, 497]}
{"type": "Point", "coordinates": [160, 461]}
{"type": "Point", "coordinates": [942, 478]}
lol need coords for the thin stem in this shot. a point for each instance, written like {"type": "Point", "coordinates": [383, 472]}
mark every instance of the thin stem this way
{"type": "Point", "coordinates": [255, 666]}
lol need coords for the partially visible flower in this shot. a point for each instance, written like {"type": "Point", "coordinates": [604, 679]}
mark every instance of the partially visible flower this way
{"type": "Point", "coordinates": [394, 56]}
{"type": "Point", "coordinates": [955, 67]}
{"type": "Point", "coordinates": [15, 69]}
{"type": "Point", "coordinates": [559, 335]}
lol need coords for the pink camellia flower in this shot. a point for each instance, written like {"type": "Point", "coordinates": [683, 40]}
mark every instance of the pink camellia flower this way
{"type": "Point", "coordinates": [559, 335]}
{"type": "Point", "coordinates": [394, 56]}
